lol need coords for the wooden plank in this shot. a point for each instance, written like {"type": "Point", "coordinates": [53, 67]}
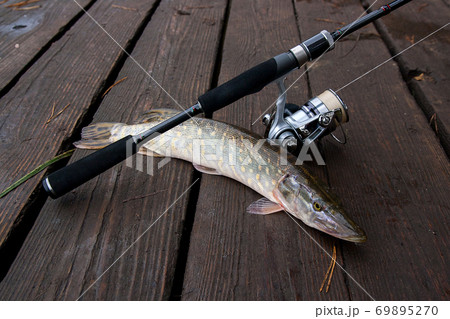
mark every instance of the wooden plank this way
{"type": "Point", "coordinates": [76, 238]}
{"type": "Point", "coordinates": [24, 35]}
{"type": "Point", "coordinates": [73, 71]}
{"type": "Point", "coordinates": [234, 255]}
{"type": "Point", "coordinates": [393, 174]}
{"type": "Point", "coordinates": [425, 66]}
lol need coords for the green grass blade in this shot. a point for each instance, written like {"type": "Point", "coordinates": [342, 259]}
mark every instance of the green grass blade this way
{"type": "Point", "coordinates": [37, 170]}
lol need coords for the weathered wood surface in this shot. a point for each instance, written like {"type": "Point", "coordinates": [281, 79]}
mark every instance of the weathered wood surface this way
{"type": "Point", "coordinates": [74, 70]}
{"type": "Point", "coordinates": [242, 257]}
{"type": "Point", "coordinates": [425, 67]}
{"type": "Point", "coordinates": [25, 34]}
{"type": "Point", "coordinates": [76, 238]}
{"type": "Point", "coordinates": [232, 254]}
{"type": "Point", "coordinates": [392, 176]}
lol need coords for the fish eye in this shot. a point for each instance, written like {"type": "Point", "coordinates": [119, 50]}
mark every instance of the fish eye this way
{"type": "Point", "coordinates": [317, 206]}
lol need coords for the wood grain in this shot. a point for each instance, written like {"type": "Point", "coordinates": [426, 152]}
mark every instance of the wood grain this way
{"type": "Point", "coordinates": [24, 35]}
{"type": "Point", "coordinates": [73, 70]}
{"type": "Point", "coordinates": [425, 66]}
{"type": "Point", "coordinates": [234, 255]}
{"type": "Point", "coordinates": [393, 175]}
{"type": "Point", "coordinates": [77, 237]}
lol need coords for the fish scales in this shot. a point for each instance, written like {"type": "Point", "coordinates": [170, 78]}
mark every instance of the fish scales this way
{"type": "Point", "coordinates": [219, 148]}
{"type": "Point", "coordinates": [255, 167]}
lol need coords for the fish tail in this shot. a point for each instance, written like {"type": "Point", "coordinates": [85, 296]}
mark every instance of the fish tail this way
{"type": "Point", "coordinates": [97, 135]}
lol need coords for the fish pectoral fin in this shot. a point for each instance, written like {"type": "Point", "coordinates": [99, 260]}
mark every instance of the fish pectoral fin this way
{"type": "Point", "coordinates": [206, 170]}
{"type": "Point", "coordinates": [264, 206]}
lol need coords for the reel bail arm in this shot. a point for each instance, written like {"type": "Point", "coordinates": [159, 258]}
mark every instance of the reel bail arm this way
{"type": "Point", "coordinates": [291, 126]}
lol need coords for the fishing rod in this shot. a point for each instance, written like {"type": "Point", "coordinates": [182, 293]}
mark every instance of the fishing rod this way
{"type": "Point", "coordinates": [289, 124]}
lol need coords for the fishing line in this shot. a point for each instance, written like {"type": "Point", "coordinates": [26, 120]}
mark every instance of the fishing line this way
{"type": "Point", "coordinates": [326, 252]}
{"type": "Point", "coordinates": [363, 75]}
{"type": "Point", "coordinates": [134, 60]}
{"type": "Point", "coordinates": [289, 124]}
{"type": "Point", "coordinates": [307, 68]}
{"type": "Point", "coordinates": [140, 236]}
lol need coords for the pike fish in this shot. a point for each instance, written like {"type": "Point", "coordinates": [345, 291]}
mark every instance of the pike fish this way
{"type": "Point", "coordinates": [218, 148]}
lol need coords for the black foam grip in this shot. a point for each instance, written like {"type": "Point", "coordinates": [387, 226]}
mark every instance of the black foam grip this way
{"type": "Point", "coordinates": [249, 82]}
{"type": "Point", "coordinates": [77, 173]}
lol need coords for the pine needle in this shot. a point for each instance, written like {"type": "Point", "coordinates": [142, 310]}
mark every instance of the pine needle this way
{"type": "Point", "coordinates": [23, 3]}
{"type": "Point", "coordinates": [143, 196]}
{"type": "Point", "coordinates": [34, 172]}
{"type": "Point", "coordinates": [433, 118]}
{"type": "Point", "coordinates": [124, 8]}
{"type": "Point", "coordinates": [52, 117]}
{"type": "Point", "coordinates": [27, 8]}
{"type": "Point", "coordinates": [330, 270]}
{"type": "Point", "coordinates": [325, 278]}
{"type": "Point", "coordinates": [59, 113]}
{"type": "Point", "coordinates": [109, 89]}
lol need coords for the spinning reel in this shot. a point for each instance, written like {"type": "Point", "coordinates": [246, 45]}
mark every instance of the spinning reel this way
{"type": "Point", "coordinates": [293, 126]}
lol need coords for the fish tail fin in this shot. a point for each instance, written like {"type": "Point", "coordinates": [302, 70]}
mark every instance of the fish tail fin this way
{"type": "Point", "coordinates": [96, 136]}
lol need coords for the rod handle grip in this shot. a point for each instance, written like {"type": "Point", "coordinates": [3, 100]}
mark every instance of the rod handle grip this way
{"type": "Point", "coordinates": [70, 177]}
{"type": "Point", "coordinates": [249, 82]}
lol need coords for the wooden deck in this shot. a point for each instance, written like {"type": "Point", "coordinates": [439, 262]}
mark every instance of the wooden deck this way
{"type": "Point", "coordinates": [95, 242]}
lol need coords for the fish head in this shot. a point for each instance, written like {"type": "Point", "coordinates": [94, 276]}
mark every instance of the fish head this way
{"type": "Point", "coordinates": [315, 208]}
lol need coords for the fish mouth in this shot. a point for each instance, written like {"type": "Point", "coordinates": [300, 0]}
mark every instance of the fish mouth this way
{"type": "Point", "coordinates": [360, 238]}
{"type": "Point", "coordinates": [338, 225]}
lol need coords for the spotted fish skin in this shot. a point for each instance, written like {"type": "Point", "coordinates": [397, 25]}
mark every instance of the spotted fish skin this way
{"type": "Point", "coordinates": [219, 148]}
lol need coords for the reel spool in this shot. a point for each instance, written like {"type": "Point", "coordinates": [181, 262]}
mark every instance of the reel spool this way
{"type": "Point", "coordinates": [292, 126]}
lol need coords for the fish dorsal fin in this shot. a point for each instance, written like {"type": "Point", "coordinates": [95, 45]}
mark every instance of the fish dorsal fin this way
{"type": "Point", "coordinates": [206, 170]}
{"type": "Point", "coordinates": [146, 152]}
{"type": "Point", "coordinates": [154, 115]}
{"type": "Point", "coordinates": [264, 206]}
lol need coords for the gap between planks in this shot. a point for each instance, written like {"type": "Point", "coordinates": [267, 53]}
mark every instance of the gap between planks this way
{"type": "Point", "coordinates": [44, 49]}
{"type": "Point", "coordinates": [32, 209]}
